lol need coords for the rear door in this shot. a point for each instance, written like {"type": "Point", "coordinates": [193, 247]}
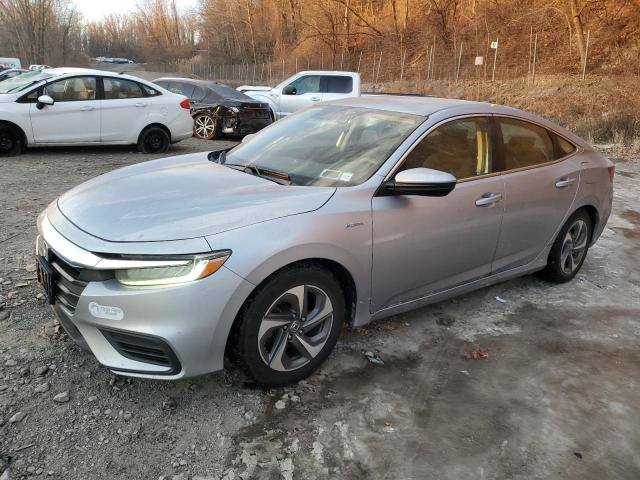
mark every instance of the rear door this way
{"type": "Point", "coordinates": [541, 182]}
{"type": "Point", "coordinates": [334, 87]}
{"type": "Point", "coordinates": [124, 109]}
{"type": "Point", "coordinates": [75, 115]}
{"type": "Point", "coordinates": [307, 92]}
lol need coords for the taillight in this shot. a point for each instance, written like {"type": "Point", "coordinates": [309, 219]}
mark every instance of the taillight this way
{"type": "Point", "coordinates": [185, 104]}
{"type": "Point", "coordinates": [612, 171]}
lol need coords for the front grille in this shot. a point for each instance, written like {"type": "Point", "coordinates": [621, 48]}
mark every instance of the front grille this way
{"type": "Point", "coordinates": [69, 285]}
{"type": "Point", "coordinates": [143, 348]}
{"type": "Point", "coordinates": [248, 113]}
{"type": "Point", "coordinates": [71, 281]}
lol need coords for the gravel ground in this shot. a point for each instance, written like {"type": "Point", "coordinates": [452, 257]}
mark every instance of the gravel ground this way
{"type": "Point", "coordinates": [556, 396]}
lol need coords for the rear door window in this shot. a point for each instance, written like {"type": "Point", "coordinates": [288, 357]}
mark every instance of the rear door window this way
{"type": "Point", "coordinates": [525, 144]}
{"type": "Point", "coordinates": [337, 84]}
{"type": "Point", "coordinates": [120, 88]}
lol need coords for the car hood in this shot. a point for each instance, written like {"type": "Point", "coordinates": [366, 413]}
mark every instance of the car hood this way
{"type": "Point", "coordinates": [246, 88]}
{"type": "Point", "coordinates": [179, 198]}
{"type": "Point", "coordinates": [7, 97]}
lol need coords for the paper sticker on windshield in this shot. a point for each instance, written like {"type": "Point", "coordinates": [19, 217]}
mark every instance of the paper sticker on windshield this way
{"type": "Point", "coordinates": [336, 175]}
{"type": "Point", "coordinates": [332, 174]}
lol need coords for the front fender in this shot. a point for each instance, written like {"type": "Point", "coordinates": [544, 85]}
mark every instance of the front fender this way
{"type": "Point", "coordinates": [260, 250]}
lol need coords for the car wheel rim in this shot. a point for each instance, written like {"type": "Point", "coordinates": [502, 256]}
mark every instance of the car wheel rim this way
{"type": "Point", "coordinates": [204, 126]}
{"type": "Point", "coordinates": [6, 143]}
{"type": "Point", "coordinates": [295, 328]}
{"type": "Point", "coordinates": [154, 142]}
{"type": "Point", "coordinates": [574, 247]}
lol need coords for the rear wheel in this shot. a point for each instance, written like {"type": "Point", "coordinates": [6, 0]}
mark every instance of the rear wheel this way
{"type": "Point", "coordinates": [10, 141]}
{"type": "Point", "coordinates": [288, 328]}
{"type": "Point", "coordinates": [569, 249]}
{"type": "Point", "coordinates": [153, 140]}
{"type": "Point", "coordinates": [205, 126]}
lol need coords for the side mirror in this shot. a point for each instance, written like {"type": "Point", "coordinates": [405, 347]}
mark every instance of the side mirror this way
{"type": "Point", "coordinates": [248, 137]}
{"type": "Point", "coordinates": [44, 100]}
{"type": "Point", "coordinates": [289, 90]}
{"type": "Point", "coordinates": [421, 181]}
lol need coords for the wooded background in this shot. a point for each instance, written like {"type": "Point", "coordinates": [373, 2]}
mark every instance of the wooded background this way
{"type": "Point", "coordinates": [384, 39]}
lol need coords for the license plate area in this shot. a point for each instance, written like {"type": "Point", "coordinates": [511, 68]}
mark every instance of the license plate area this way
{"type": "Point", "coordinates": [45, 274]}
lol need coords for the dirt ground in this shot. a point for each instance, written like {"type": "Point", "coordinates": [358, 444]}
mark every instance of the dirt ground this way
{"type": "Point", "coordinates": [556, 397]}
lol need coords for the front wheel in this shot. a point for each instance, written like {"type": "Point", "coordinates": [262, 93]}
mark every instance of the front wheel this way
{"type": "Point", "coordinates": [287, 329]}
{"type": "Point", "coordinates": [154, 140]}
{"type": "Point", "coordinates": [10, 141]}
{"type": "Point", "coordinates": [569, 249]}
{"type": "Point", "coordinates": [205, 126]}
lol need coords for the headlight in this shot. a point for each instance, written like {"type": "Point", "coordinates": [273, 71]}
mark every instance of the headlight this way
{"type": "Point", "coordinates": [193, 268]}
{"type": "Point", "coordinates": [234, 109]}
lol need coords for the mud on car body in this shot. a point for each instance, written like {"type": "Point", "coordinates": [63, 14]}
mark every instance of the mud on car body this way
{"type": "Point", "coordinates": [218, 109]}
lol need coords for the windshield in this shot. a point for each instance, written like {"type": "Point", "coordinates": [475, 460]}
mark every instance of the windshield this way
{"type": "Point", "coordinates": [20, 82]}
{"type": "Point", "coordinates": [330, 145]}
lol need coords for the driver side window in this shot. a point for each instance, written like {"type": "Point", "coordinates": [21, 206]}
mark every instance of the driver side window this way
{"type": "Point", "coordinates": [307, 84]}
{"type": "Point", "coordinates": [72, 89]}
{"type": "Point", "coordinates": [460, 147]}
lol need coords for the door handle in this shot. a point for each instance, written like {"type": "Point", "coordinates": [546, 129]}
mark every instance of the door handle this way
{"type": "Point", "coordinates": [488, 199]}
{"type": "Point", "coordinates": [315, 99]}
{"type": "Point", "coordinates": [141, 104]}
{"type": "Point", "coordinates": [87, 109]}
{"type": "Point", "coordinates": [565, 182]}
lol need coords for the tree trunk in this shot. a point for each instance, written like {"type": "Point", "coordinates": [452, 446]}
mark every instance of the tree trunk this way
{"type": "Point", "coordinates": [576, 18]}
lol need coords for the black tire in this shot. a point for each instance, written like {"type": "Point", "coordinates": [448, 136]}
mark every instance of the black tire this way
{"type": "Point", "coordinates": [560, 267]}
{"type": "Point", "coordinates": [246, 348]}
{"type": "Point", "coordinates": [202, 131]}
{"type": "Point", "coordinates": [154, 140]}
{"type": "Point", "coordinates": [10, 141]}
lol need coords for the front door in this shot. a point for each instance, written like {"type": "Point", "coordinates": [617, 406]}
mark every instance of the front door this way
{"type": "Point", "coordinates": [73, 118]}
{"type": "Point", "coordinates": [422, 245]}
{"type": "Point", "coordinates": [306, 92]}
{"type": "Point", "coordinates": [540, 188]}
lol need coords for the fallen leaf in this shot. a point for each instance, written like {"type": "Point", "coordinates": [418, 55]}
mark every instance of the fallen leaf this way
{"type": "Point", "coordinates": [476, 354]}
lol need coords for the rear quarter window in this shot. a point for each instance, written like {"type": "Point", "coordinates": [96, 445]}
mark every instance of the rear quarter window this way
{"type": "Point", "coordinates": [562, 147]}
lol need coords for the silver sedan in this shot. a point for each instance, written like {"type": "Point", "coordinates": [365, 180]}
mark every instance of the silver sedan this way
{"type": "Point", "coordinates": [342, 213]}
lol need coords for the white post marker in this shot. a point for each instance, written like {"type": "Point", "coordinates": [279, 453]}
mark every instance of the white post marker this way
{"type": "Point", "coordinates": [494, 46]}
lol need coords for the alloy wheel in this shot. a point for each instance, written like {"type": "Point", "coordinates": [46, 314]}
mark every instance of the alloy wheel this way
{"type": "Point", "coordinates": [295, 328]}
{"type": "Point", "coordinates": [574, 246]}
{"type": "Point", "coordinates": [204, 126]}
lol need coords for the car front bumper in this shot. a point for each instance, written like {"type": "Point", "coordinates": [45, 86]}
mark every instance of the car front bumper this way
{"type": "Point", "coordinates": [153, 332]}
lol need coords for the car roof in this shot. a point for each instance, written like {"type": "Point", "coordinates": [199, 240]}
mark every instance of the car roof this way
{"type": "Point", "coordinates": [90, 71]}
{"type": "Point", "coordinates": [443, 108]}
{"type": "Point", "coordinates": [411, 104]}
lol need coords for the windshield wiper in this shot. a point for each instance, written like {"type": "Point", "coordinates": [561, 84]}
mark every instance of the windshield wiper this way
{"type": "Point", "coordinates": [274, 175]}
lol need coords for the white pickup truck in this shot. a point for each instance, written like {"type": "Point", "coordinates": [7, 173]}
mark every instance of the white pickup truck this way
{"type": "Point", "coordinates": [304, 89]}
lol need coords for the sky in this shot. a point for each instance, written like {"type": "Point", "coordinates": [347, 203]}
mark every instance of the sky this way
{"type": "Point", "coordinates": [98, 9]}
